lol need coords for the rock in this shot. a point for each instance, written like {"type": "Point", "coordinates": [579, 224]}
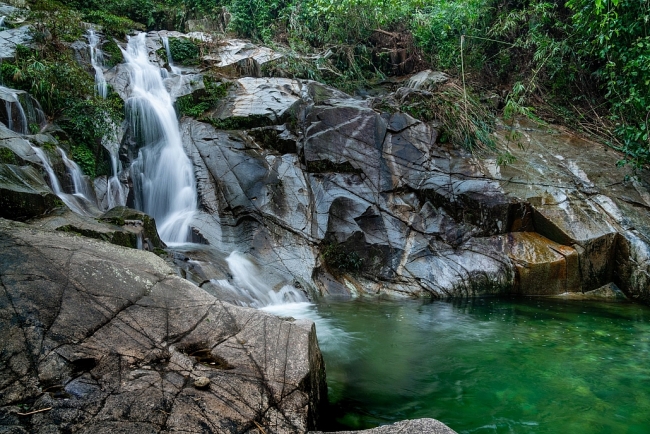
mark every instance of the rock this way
{"type": "Point", "coordinates": [9, 38]}
{"type": "Point", "coordinates": [609, 292]}
{"type": "Point", "coordinates": [120, 226]}
{"type": "Point", "coordinates": [24, 194]}
{"type": "Point", "coordinates": [426, 80]}
{"type": "Point", "coordinates": [577, 198]}
{"type": "Point", "coordinates": [235, 57]}
{"type": "Point", "coordinates": [255, 102]}
{"type": "Point", "coordinates": [420, 426]}
{"type": "Point", "coordinates": [202, 383]}
{"type": "Point", "coordinates": [541, 265]}
{"type": "Point", "coordinates": [134, 220]}
{"type": "Point", "coordinates": [110, 338]}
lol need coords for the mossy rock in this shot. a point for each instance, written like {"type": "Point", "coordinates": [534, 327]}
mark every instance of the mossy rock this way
{"type": "Point", "coordinates": [121, 216]}
{"type": "Point", "coordinates": [24, 193]}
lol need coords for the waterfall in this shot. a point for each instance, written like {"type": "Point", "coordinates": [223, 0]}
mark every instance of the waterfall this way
{"type": "Point", "coordinates": [163, 176]}
{"type": "Point", "coordinates": [97, 62]}
{"type": "Point", "coordinates": [3, 26]}
{"type": "Point", "coordinates": [77, 203]}
{"type": "Point", "coordinates": [115, 190]}
{"type": "Point", "coordinates": [21, 110]}
{"type": "Point", "coordinates": [170, 59]}
{"type": "Point", "coordinates": [11, 101]}
{"type": "Point", "coordinates": [81, 186]}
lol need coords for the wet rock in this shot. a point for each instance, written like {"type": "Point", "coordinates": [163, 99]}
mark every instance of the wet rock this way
{"type": "Point", "coordinates": [24, 194]}
{"type": "Point", "coordinates": [423, 426]}
{"type": "Point", "coordinates": [541, 265]}
{"type": "Point", "coordinates": [118, 332]}
{"type": "Point", "coordinates": [609, 292]}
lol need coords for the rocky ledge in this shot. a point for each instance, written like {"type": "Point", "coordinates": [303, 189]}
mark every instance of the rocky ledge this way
{"type": "Point", "coordinates": [98, 338]}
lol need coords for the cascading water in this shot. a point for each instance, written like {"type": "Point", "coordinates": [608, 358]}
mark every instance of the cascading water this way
{"type": "Point", "coordinates": [163, 176]}
{"type": "Point", "coordinates": [97, 62]}
{"type": "Point", "coordinates": [81, 186]}
{"type": "Point", "coordinates": [78, 203]}
{"type": "Point", "coordinates": [115, 190]}
{"type": "Point", "coordinates": [170, 59]}
{"type": "Point", "coordinates": [3, 26]}
{"type": "Point", "coordinates": [20, 124]}
{"type": "Point", "coordinates": [251, 290]}
{"type": "Point", "coordinates": [21, 111]}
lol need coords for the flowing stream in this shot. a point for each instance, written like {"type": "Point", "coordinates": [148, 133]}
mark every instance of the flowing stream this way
{"type": "Point", "coordinates": [163, 176]}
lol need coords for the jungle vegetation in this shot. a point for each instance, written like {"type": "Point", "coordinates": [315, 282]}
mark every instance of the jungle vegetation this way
{"type": "Point", "coordinates": [585, 63]}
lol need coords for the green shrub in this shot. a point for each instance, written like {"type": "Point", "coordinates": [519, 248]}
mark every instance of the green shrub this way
{"type": "Point", "coordinates": [338, 258]}
{"type": "Point", "coordinates": [85, 158]}
{"type": "Point", "coordinates": [184, 51]}
{"type": "Point", "coordinates": [113, 26]}
{"type": "Point", "coordinates": [199, 102]}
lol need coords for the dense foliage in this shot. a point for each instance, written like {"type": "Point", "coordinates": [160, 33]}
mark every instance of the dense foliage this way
{"type": "Point", "coordinates": [584, 62]}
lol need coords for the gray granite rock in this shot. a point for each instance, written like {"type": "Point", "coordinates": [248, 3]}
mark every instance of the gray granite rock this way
{"type": "Point", "coordinates": [415, 426]}
{"type": "Point", "coordinates": [9, 38]}
{"type": "Point", "coordinates": [107, 338]}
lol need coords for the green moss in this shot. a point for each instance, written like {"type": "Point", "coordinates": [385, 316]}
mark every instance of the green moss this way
{"type": "Point", "coordinates": [7, 156]}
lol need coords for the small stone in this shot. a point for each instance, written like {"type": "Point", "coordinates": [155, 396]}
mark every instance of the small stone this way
{"type": "Point", "coordinates": [202, 383]}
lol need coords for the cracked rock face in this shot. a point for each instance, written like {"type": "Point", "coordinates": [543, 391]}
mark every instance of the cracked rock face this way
{"type": "Point", "coordinates": [105, 339]}
{"type": "Point", "coordinates": [346, 199]}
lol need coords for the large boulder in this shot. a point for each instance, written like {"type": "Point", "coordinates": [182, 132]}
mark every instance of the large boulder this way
{"type": "Point", "coordinates": [24, 194]}
{"type": "Point", "coordinates": [98, 338]}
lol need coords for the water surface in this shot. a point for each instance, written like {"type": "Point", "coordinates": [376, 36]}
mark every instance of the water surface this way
{"type": "Point", "coordinates": [490, 365]}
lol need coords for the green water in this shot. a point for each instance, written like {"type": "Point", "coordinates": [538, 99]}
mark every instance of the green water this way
{"type": "Point", "coordinates": [490, 365]}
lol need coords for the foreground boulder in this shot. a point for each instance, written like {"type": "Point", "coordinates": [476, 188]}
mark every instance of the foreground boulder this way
{"type": "Point", "coordinates": [98, 338]}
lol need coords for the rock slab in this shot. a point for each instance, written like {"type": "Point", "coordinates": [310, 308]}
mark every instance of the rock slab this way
{"type": "Point", "coordinates": [108, 339]}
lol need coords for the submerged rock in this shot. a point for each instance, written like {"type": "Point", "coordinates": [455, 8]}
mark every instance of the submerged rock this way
{"type": "Point", "coordinates": [108, 338]}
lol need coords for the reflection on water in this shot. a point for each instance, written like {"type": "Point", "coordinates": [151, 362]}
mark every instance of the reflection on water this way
{"type": "Point", "coordinates": [490, 365]}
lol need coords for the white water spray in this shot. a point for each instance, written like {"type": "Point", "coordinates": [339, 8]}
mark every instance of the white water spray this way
{"type": "Point", "coordinates": [163, 176]}
{"type": "Point", "coordinates": [97, 62]}
{"type": "Point", "coordinates": [252, 288]}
